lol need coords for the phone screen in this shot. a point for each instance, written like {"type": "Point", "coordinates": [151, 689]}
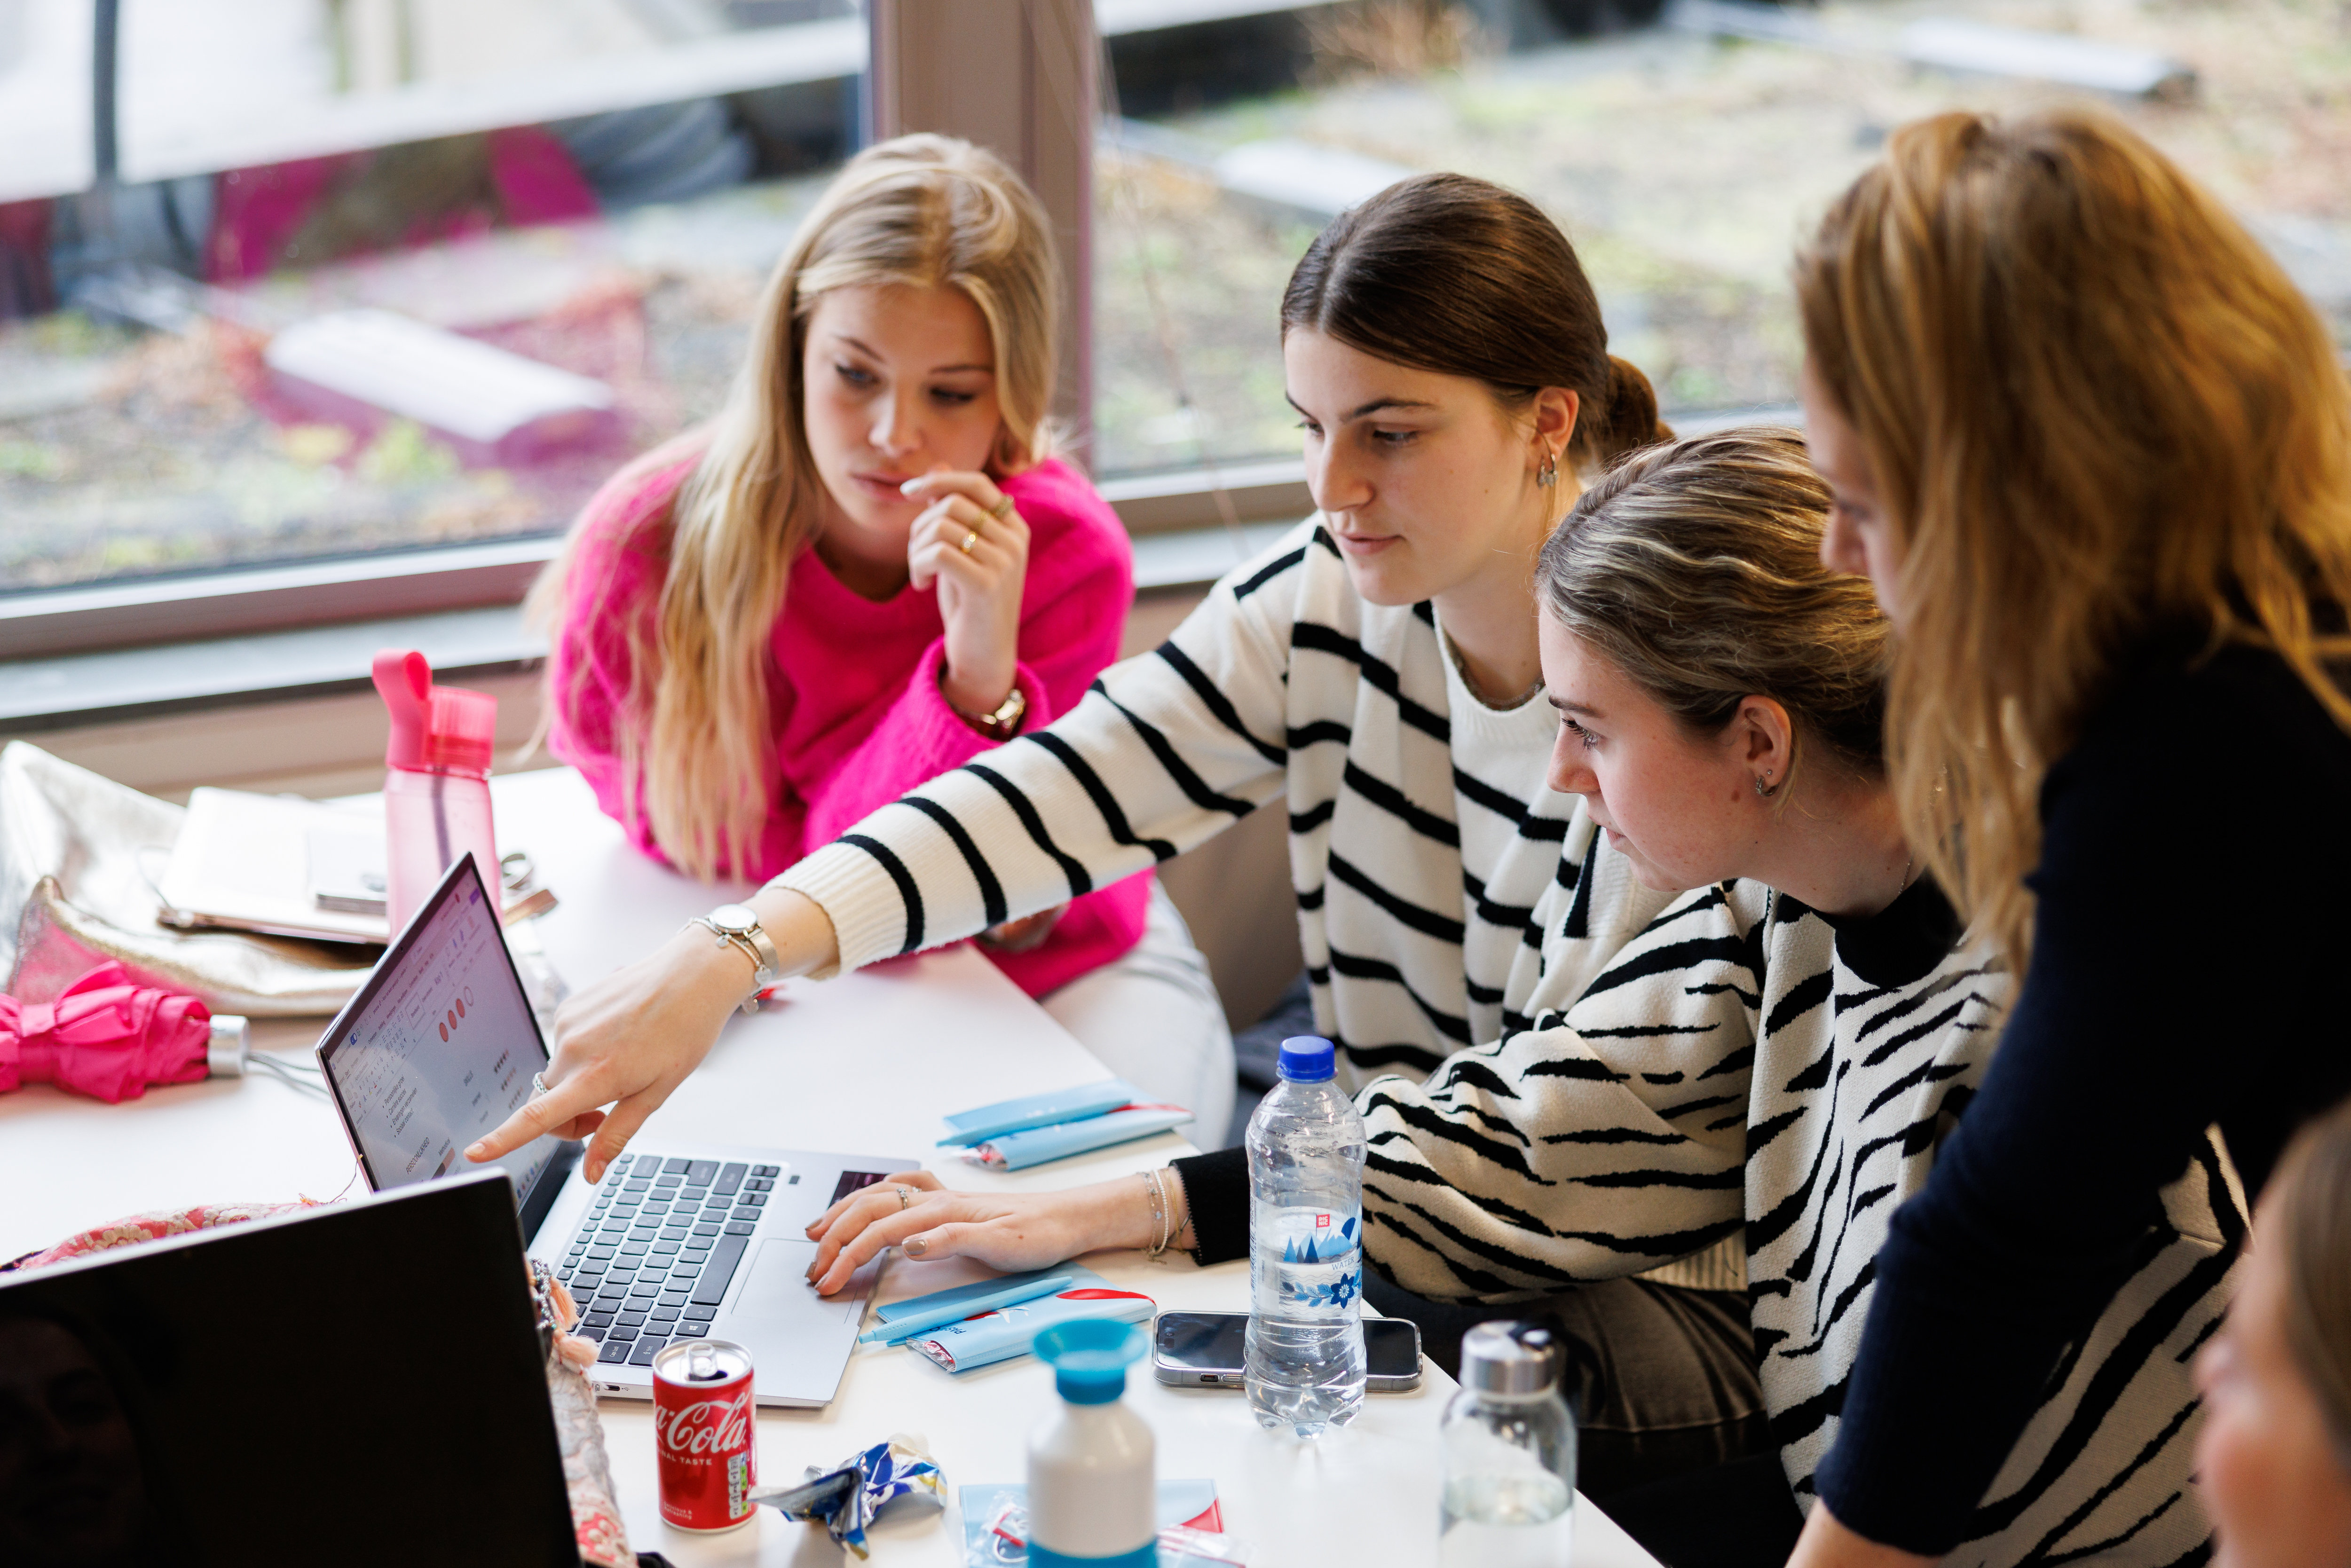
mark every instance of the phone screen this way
{"type": "Point", "coordinates": [1205, 1347]}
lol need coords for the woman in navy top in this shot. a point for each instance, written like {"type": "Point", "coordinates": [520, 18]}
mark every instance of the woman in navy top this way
{"type": "Point", "coordinates": [2094, 450]}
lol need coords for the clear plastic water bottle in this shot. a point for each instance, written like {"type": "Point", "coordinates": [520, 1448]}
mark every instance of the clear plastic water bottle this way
{"type": "Point", "coordinates": [1304, 1360]}
{"type": "Point", "coordinates": [1510, 1455]}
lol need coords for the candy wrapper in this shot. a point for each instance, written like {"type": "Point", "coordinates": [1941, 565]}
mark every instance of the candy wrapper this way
{"type": "Point", "coordinates": [888, 1479]}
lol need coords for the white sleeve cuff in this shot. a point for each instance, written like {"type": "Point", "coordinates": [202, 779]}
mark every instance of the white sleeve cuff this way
{"type": "Point", "coordinates": [867, 912]}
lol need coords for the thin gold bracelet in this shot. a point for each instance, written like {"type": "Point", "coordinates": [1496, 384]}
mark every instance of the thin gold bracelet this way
{"type": "Point", "coordinates": [1158, 1210]}
{"type": "Point", "coordinates": [1179, 1219]}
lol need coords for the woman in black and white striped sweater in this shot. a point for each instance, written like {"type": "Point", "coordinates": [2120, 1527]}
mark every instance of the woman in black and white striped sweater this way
{"type": "Point", "coordinates": [1448, 360]}
{"type": "Point", "coordinates": [1771, 1059]}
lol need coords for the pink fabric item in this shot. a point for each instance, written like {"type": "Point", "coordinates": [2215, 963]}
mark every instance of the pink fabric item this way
{"type": "Point", "coordinates": [104, 1037]}
{"type": "Point", "coordinates": [536, 181]}
{"type": "Point", "coordinates": [152, 1226]}
{"type": "Point", "coordinates": [256, 212]}
{"type": "Point", "coordinates": [853, 685]}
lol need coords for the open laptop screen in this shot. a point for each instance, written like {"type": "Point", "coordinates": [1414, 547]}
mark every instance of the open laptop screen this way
{"type": "Point", "coordinates": [439, 1045]}
{"type": "Point", "coordinates": [359, 1385]}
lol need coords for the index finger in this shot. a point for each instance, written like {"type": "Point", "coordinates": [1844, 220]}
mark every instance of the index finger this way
{"type": "Point", "coordinates": [967, 483]}
{"type": "Point", "coordinates": [537, 1117]}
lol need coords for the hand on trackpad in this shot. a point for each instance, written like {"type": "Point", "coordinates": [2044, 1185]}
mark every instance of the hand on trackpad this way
{"type": "Point", "coordinates": [779, 1287]}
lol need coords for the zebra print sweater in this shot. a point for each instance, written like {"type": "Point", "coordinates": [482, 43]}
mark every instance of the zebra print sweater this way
{"type": "Point", "coordinates": [1743, 1067]}
{"type": "Point", "coordinates": [1420, 832]}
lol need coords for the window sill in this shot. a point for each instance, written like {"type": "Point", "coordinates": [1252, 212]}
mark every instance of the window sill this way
{"type": "Point", "coordinates": [70, 690]}
{"type": "Point", "coordinates": [124, 684]}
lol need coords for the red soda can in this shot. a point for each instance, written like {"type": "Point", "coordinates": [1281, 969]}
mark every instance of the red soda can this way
{"type": "Point", "coordinates": [703, 1433]}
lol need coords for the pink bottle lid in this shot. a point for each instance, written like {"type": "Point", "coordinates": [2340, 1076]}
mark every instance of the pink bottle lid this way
{"type": "Point", "coordinates": [439, 730]}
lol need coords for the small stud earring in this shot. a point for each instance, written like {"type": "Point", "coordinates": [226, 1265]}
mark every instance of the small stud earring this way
{"type": "Point", "coordinates": [1765, 788]}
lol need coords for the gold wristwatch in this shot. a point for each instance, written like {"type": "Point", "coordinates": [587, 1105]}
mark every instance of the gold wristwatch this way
{"type": "Point", "coordinates": [738, 926]}
{"type": "Point", "coordinates": [1005, 722]}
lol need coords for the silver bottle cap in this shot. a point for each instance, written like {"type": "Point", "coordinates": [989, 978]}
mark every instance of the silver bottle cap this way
{"type": "Point", "coordinates": [1509, 1358]}
{"type": "Point", "coordinates": [225, 1055]}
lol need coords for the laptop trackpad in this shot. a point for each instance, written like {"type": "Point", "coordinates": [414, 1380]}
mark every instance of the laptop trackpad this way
{"type": "Point", "coordinates": [778, 1289]}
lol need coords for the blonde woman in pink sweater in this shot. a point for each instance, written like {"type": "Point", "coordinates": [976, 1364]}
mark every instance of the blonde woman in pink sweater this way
{"type": "Point", "coordinates": [868, 570]}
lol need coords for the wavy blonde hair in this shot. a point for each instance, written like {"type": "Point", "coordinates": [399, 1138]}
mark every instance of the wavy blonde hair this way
{"type": "Point", "coordinates": [920, 212]}
{"type": "Point", "coordinates": [1696, 568]}
{"type": "Point", "coordinates": [2094, 404]}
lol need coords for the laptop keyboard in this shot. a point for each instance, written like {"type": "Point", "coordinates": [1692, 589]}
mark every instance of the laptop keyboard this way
{"type": "Point", "coordinates": [654, 1259]}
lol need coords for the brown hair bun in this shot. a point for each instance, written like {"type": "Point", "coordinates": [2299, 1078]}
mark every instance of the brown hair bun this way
{"type": "Point", "coordinates": [1631, 418]}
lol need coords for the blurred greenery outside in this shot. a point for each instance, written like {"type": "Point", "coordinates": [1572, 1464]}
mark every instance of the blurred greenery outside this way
{"type": "Point", "coordinates": [1683, 167]}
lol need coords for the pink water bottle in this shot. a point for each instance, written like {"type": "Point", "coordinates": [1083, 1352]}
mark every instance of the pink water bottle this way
{"type": "Point", "coordinates": [436, 793]}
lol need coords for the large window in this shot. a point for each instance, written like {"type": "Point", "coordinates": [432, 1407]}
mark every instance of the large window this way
{"type": "Point", "coordinates": [378, 274]}
{"type": "Point", "coordinates": [318, 207]}
{"type": "Point", "coordinates": [1683, 158]}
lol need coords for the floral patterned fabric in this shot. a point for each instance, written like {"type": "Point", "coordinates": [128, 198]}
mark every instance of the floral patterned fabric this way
{"type": "Point", "coordinates": [151, 1227]}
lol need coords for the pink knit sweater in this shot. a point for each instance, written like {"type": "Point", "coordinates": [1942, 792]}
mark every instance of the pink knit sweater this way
{"type": "Point", "coordinates": [858, 719]}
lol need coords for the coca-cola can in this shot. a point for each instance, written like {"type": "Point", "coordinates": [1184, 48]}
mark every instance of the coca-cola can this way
{"type": "Point", "coordinates": [702, 1432]}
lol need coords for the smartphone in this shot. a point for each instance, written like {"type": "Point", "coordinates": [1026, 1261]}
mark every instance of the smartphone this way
{"type": "Point", "coordinates": [1203, 1350]}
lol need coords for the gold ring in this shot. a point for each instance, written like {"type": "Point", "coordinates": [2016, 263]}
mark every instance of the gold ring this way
{"type": "Point", "coordinates": [970, 540]}
{"type": "Point", "coordinates": [906, 1200]}
{"type": "Point", "coordinates": [1002, 509]}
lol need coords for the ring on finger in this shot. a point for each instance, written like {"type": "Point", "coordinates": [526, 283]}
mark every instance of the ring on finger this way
{"type": "Point", "coordinates": [970, 540]}
{"type": "Point", "coordinates": [906, 1199]}
{"type": "Point", "coordinates": [538, 1084]}
{"type": "Point", "coordinates": [1001, 509]}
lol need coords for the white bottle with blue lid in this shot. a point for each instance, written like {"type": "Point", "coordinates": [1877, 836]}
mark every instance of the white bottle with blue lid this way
{"type": "Point", "coordinates": [1092, 1498]}
{"type": "Point", "coordinates": [1303, 1364]}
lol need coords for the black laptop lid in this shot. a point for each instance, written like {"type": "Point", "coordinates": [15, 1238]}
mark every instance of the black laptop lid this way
{"type": "Point", "coordinates": [356, 1384]}
{"type": "Point", "coordinates": [439, 1046]}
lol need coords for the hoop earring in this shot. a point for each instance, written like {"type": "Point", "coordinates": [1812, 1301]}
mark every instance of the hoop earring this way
{"type": "Point", "coordinates": [1764, 787]}
{"type": "Point", "coordinates": [1548, 475]}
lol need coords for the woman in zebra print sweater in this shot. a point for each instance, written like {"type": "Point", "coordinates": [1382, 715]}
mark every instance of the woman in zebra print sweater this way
{"type": "Point", "coordinates": [1771, 1059]}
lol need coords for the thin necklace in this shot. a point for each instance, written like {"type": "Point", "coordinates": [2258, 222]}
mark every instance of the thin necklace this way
{"type": "Point", "coordinates": [1453, 650]}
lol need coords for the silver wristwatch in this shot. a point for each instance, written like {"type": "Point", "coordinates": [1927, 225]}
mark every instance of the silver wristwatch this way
{"type": "Point", "coordinates": [738, 926]}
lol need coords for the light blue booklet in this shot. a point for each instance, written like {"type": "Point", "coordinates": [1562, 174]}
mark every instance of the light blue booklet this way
{"type": "Point", "coordinates": [1006, 1332]}
{"type": "Point", "coordinates": [986, 1121]}
{"type": "Point", "coordinates": [1012, 1151]}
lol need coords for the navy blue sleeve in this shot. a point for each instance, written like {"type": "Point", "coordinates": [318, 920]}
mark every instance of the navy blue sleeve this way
{"type": "Point", "coordinates": [2188, 882]}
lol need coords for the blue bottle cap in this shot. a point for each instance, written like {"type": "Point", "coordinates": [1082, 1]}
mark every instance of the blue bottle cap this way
{"type": "Point", "coordinates": [1308, 1058]}
{"type": "Point", "coordinates": [1088, 1358]}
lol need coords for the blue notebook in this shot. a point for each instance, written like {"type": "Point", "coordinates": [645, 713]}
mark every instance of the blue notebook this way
{"type": "Point", "coordinates": [1007, 1331]}
{"type": "Point", "coordinates": [1037, 1145]}
{"type": "Point", "coordinates": [986, 1121]}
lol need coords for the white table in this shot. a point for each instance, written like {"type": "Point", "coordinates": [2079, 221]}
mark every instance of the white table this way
{"type": "Point", "coordinates": [865, 1065]}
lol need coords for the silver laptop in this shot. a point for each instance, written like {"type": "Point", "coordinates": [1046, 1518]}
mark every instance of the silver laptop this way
{"type": "Point", "coordinates": [678, 1241]}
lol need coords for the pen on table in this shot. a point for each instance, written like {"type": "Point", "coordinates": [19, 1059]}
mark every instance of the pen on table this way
{"type": "Point", "coordinates": [1011, 1295]}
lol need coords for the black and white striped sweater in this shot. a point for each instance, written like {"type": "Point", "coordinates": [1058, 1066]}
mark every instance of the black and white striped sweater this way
{"type": "Point", "coordinates": [1741, 1067]}
{"type": "Point", "coordinates": [1420, 832]}
{"type": "Point", "coordinates": [1670, 1073]}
